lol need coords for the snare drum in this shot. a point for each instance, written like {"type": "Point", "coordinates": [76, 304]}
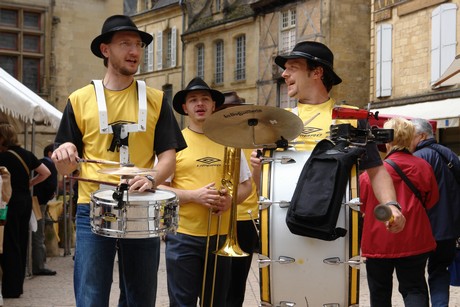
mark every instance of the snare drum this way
{"type": "Point", "coordinates": [142, 215]}
{"type": "Point", "coordinates": [302, 271]}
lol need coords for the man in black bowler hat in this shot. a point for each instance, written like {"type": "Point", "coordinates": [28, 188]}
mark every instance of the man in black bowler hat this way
{"type": "Point", "coordinates": [309, 75]}
{"type": "Point", "coordinates": [123, 120]}
{"type": "Point", "coordinates": [203, 200]}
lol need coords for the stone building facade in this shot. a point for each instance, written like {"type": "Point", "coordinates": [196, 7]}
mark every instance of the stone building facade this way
{"type": "Point", "coordinates": [45, 45]}
{"type": "Point", "coordinates": [412, 45]}
{"type": "Point", "coordinates": [232, 44]}
{"type": "Point", "coordinates": [162, 65]}
{"type": "Point", "coordinates": [66, 30]}
{"type": "Point", "coordinates": [329, 22]}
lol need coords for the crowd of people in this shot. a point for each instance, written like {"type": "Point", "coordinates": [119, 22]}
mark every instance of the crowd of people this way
{"type": "Point", "coordinates": [121, 119]}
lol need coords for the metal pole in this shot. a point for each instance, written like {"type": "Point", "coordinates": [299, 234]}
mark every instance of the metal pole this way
{"type": "Point", "coordinates": [29, 245]}
{"type": "Point", "coordinates": [65, 203]}
{"type": "Point", "coordinates": [70, 217]}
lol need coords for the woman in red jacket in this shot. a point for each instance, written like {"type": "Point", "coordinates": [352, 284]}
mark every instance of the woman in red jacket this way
{"type": "Point", "coordinates": [406, 251]}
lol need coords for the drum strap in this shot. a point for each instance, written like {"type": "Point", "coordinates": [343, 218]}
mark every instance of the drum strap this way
{"type": "Point", "coordinates": [101, 104]}
{"type": "Point", "coordinates": [121, 130]}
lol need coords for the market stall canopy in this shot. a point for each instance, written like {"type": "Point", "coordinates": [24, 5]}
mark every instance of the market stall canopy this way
{"type": "Point", "coordinates": [451, 76]}
{"type": "Point", "coordinates": [19, 101]}
{"type": "Point", "coordinates": [446, 112]}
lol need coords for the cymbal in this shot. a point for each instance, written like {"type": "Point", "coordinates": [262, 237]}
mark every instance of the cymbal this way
{"type": "Point", "coordinates": [126, 171]}
{"type": "Point", "coordinates": [252, 126]}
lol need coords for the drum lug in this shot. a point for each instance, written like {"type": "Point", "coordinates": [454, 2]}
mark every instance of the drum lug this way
{"type": "Point", "coordinates": [286, 304]}
{"type": "Point", "coordinates": [282, 160]}
{"type": "Point", "coordinates": [265, 261]}
{"type": "Point", "coordinates": [265, 203]}
{"type": "Point", "coordinates": [282, 304]}
{"type": "Point", "coordinates": [354, 204]}
{"type": "Point", "coordinates": [354, 262]}
{"type": "Point", "coordinates": [291, 304]}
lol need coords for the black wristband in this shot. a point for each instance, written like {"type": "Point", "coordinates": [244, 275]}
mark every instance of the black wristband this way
{"type": "Point", "coordinates": [394, 203]}
{"type": "Point", "coordinates": [151, 179]}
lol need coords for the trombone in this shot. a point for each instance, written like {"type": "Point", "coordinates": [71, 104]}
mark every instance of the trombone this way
{"type": "Point", "coordinates": [230, 248]}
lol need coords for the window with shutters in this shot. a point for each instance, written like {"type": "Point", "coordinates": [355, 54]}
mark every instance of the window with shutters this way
{"type": "Point", "coordinates": [284, 99]}
{"type": "Point", "coordinates": [150, 54]}
{"type": "Point", "coordinates": [443, 39]}
{"type": "Point", "coordinates": [219, 60]}
{"type": "Point", "coordinates": [240, 70]}
{"type": "Point", "coordinates": [22, 45]}
{"type": "Point", "coordinates": [200, 61]}
{"type": "Point", "coordinates": [168, 92]}
{"type": "Point", "coordinates": [149, 58]}
{"type": "Point", "coordinates": [383, 69]}
{"type": "Point", "coordinates": [288, 22]}
{"type": "Point", "coordinates": [166, 48]}
{"type": "Point", "coordinates": [217, 6]}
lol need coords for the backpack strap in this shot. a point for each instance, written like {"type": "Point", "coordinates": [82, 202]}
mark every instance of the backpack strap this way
{"type": "Point", "coordinates": [406, 180]}
{"type": "Point", "coordinates": [448, 162]}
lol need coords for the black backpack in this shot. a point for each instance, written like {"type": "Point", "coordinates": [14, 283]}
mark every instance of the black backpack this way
{"type": "Point", "coordinates": [318, 197]}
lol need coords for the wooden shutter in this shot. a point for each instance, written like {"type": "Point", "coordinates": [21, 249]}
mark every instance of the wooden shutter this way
{"type": "Point", "coordinates": [443, 39]}
{"type": "Point", "coordinates": [173, 46]}
{"type": "Point", "coordinates": [150, 56]}
{"type": "Point", "coordinates": [159, 50]}
{"type": "Point", "coordinates": [384, 61]}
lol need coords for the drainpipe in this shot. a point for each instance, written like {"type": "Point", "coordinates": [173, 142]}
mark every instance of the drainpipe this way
{"type": "Point", "coordinates": [184, 10]}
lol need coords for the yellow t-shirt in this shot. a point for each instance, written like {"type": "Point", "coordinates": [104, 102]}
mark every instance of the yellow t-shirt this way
{"type": "Point", "coordinates": [319, 127]}
{"type": "Point", "coordinates": [201, 163]}
{"type": "Point", "coordinates": [121, 106]}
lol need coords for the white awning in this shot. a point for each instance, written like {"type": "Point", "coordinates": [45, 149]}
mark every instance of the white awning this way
{"type": "Point", "coordinates": [445, 112]}
{"type": "Point", "coordinates": [451, 76]}
{"type": "Point", "coordinates": [19, 101]}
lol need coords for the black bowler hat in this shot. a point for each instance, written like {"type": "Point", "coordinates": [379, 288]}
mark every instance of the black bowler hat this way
{"type": "Point", "coordinates": [197, 84]}
{"type": "Point", "coordinates": [313, 51]}
{"type": "Point", "coordinates": [114, 24]}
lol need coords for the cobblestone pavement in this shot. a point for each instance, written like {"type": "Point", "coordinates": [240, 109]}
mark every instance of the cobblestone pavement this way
{"type": "Point", "coordinates": [57, 291]}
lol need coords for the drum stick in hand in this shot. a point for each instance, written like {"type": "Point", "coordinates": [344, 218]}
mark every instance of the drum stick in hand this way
{"type": "Point", "coordinates": [383, 213]}
{"type": "Point", "coordinates": [104, 162]}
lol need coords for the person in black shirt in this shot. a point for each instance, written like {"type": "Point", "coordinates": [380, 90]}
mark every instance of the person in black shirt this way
{"type": "Point", "coordinates": [44, 191]}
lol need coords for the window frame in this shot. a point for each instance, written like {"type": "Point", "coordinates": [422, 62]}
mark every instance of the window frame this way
{"type": "Point", "coordinates": [219, 61]}
{"type": "Point", "coordinates": [18, 54]}
{"type": "Point", "coordinates": [287, 30]}
{"type": "Point", "coordinates": [443, 39]}
{"type": "Point", "coordinates": [200, 60]}
{"type": "Point", "coordinates": [240, 58]}
{"type": "Point", "coordinates": [384, 60]}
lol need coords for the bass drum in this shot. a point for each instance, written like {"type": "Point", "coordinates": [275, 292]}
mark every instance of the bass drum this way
{"type": "Point", "coordinates": [297, 270]}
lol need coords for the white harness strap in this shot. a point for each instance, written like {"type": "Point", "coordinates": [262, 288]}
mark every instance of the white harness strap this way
{"type": "Point", "coordinates": [101, 104]}
{"type": "Point", "coordinates": [104, 127]}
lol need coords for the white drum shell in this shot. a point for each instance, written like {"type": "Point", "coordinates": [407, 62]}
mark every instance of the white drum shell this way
{"type": "Point", "coordinates": [308, 281]}
{"type": "Point", "coordinates": [143, 215]}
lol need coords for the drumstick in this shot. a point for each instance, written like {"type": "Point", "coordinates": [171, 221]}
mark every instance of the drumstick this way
{"type": "Point", "coordinates": [104, 162]}
{"type": "Point", "coordinates": [101, 182]}
{"type": "Point", "coordinates": [92, 180]}
{"type": "Point", "coordinates": [383, 213]}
